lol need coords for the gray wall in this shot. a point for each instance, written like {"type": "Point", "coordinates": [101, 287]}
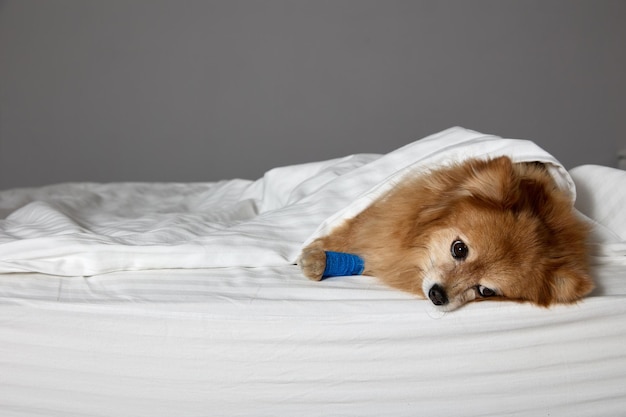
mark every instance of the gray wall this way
{"type": "Point", "coordinates": [151, 90]}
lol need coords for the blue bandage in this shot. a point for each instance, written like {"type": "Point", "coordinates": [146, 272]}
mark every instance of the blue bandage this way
{"type": "Point", "coordinates": [341, 264]}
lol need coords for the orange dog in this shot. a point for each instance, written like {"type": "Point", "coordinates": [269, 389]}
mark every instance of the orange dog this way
{"type": "Point", "coordinates": [482, 229]}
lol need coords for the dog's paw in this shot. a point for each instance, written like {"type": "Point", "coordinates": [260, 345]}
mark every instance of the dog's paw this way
{"type": "Point", "coordinates": [313, 262]}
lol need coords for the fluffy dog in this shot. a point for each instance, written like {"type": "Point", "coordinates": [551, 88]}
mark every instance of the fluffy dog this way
{"type": "Point", "coordinates": [478, 230]}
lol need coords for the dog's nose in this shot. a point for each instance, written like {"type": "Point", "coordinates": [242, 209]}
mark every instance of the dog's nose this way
{"type": "Point", "coordinates": [438, 295]}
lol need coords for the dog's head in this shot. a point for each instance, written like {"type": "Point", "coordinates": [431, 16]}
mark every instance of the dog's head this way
{"type": "Point", "coordinates": [501, 231]}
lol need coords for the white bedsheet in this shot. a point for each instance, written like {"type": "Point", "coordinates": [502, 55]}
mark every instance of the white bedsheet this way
{"type": "Point", "coordinates": [253, 337]}
{"type": "Point", "coordinates": [265, 342]}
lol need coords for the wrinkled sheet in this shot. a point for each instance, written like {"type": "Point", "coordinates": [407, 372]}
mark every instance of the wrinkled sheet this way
{"type": "Point", "coordinates": [266, 342]}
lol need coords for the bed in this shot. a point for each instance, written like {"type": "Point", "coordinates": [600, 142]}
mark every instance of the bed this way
{"type": "Point", "coordinates": [162, 299]}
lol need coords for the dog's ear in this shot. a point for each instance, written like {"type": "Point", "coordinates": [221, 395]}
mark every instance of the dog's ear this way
{"type": "Point", "coordinates": [500, 182]}
{"type": "Point", "coordinates": [567, 285]}
{"type": "Point", "coordinates": [570, 284]}
{"type": "Point", "coordinates": [491, 180]}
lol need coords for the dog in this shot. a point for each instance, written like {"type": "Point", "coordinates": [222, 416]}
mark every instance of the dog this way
{"type": "Point", "coordinates": [482, 229]}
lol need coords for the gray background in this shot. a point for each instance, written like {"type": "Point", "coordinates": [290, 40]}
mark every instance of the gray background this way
{"type": "Point", "coordinates": [151, 90]}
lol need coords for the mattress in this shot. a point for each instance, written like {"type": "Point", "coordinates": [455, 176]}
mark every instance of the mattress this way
{"type": "Point", "coordinates": [161, 299]}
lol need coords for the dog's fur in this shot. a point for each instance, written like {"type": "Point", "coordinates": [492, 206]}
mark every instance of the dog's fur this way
{"type": "Point", "coordinates": [481, 229]}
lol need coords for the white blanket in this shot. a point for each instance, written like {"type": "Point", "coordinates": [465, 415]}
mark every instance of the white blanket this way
{"type": "Point", "coordinates": [86, 229]}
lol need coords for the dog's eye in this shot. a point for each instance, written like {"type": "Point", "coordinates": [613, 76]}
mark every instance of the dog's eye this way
{"type": "Point", "coordinates": [459, 250]}
{"type": "Point", "coordinates": [485, 292]}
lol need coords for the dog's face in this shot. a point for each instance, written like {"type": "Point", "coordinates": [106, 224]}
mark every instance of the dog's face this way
{"type": "Point", "coordinates": [504, 232]}
{"type": "Point", "coordinates": [498, 257]}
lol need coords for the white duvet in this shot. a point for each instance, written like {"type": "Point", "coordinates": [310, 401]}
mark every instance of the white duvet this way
{"type": "Point", "coordinates": [86, 229]}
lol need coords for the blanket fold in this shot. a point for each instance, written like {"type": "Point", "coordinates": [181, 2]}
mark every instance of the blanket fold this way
{"type": "Point", "coordinates": [80, 229]}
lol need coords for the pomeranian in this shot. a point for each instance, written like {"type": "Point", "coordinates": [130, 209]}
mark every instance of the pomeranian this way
{"type": "Point", "coordinates": [478, 230]}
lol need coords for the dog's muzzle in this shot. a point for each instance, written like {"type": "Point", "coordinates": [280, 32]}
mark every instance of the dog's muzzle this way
{"type": "Point", "coordinates": [438, 295]}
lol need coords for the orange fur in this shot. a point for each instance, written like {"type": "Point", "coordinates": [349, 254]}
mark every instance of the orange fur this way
{"type": "Point", "coordinates": [523, 240]}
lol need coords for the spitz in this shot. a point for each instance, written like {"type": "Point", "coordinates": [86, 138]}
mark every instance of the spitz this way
{"type": "Point", "coordinates": [478, 230]}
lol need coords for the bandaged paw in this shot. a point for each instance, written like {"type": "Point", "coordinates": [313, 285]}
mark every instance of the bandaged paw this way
{"type": "Point", "coordinates": [342, 264]}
